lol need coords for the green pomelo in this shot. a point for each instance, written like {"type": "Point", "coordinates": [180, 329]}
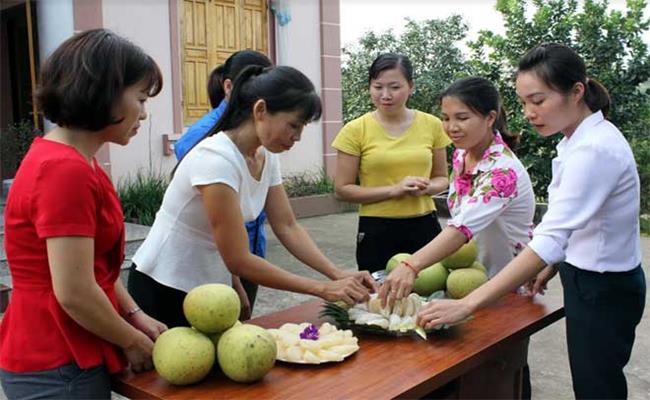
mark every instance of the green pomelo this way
{"type": "Point", "coordinates": [183, 355]}
{"type": "Point", "coordinates": [246, 353]}
{"type": "Point", "coordinates": [463, 281]}
{"type": "Point", "coordinates": [212, 308]}
{"type": "Point", "coordinates": [463, 257]}
{"type": "Point", "coordinates": [477, 265]}
{"type": "Point", "coordinates": [430, 279]}
{"type": "Point", "coordinates": [395, 260]}
{"type": "Point", "coordinates": [216, 336]}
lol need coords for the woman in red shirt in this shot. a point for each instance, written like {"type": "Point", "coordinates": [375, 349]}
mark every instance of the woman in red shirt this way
{"type": "Point", "coordinates": [71, 322]}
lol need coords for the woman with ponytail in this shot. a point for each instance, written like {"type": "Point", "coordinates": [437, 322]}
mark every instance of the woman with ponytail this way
{"type": "Point", "coordinates": [491, 197]}
{"type": "Point", "coordinates": [227, 179]}
{"type": "Point", "coordinates": [219, 88]}
{"type": "Point", "coordinates": [590, 232]}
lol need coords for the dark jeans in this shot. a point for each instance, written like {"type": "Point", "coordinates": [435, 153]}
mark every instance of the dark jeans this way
{"type": "Point", "coordinates": [379, 238]}
{"type": "Point", "coordinates": [602, 312]}
{"type": "Point", "coordinates": [159, 301]}
{"type": "Point", "coordinates": [66, 382]}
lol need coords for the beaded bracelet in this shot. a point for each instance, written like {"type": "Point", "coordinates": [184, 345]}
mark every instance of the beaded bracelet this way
{"type": "Point", "coordinates": [406, 263]}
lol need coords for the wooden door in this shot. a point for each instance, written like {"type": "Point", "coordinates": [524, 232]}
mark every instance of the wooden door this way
{"type": "Point", "coordinates": [212, 31]}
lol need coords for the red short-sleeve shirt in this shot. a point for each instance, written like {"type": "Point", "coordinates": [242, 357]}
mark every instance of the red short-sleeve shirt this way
{"type": "Point", "coordinates": [55, 193]}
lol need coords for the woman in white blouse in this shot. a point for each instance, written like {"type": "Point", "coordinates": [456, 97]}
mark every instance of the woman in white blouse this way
{"type": "Point", "coordinates": [590, 232]}
{"type": "Point", "coordinates": [225, 180]}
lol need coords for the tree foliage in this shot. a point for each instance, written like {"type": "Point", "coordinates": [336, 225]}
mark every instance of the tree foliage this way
{"type": "Point", "coordinates": [611, 44]}
{"type": "Point", "coordinates": [433, 48]}
{"type": "Point", "coordinates": [610, 41]}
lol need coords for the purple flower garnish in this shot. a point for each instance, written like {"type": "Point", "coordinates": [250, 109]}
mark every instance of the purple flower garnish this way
{"type": "Point", "coordinates": [310, 333]}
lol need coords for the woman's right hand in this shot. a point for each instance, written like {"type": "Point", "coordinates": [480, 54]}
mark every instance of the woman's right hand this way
{"type": "Point", "coordinates": [410, 185]}
{"type": "Point", "coordinates": [349, 289]}
{"type": "Point", "coordinates": [139, 352]}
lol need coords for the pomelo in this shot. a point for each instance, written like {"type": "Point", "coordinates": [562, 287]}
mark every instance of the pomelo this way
{"type": "Point", "coordinates": [463, 281]}
{"type": "Point", "coordinates": [246, 353]}
{"type": "Point", "coordinates": [212, 308]}
{"type": "Point", "coordinates": [395, 260]}
{"type": "Point", "coordinates": [183, 355]}
{"type": "Point", "coordinates": [430, 279]}
{"type": "Point", "coordinates": [463, 257]}
{"type": "Point", "coordinates": [479, 266]}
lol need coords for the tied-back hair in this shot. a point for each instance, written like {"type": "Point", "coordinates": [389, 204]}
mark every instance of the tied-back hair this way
{"type": "Point", "coordinates": [283, 89]}
{"type": "Point", "coordinates": [388, 61]}
{"type": "Point", "coordinates": [216, 93]}
{"type": "Point", "coordinates": [560, 67]}
{"type": "Point", "coordinates": [482, 97]}
{"type": "Point", "coordinates": [230, 69]}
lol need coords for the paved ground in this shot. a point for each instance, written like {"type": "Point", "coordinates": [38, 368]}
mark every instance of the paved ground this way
{"type": "Point", "coordinates": [335, 234]}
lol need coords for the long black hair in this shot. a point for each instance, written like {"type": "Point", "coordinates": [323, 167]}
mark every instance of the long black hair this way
{"type": "Point", "coordinates": [230, 69]}
{"type": "Point", "coordinates": [482, 97]}
{"type": "Point", "coordinates": [560, 67]}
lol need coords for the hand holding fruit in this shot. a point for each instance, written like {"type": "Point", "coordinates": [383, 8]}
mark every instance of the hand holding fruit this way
{"type": "Point", "coordinates": [410, 185]}
{"type": "Point", "coordinates": [363, 277]}
{"type": "Point", "coordinates": [349, 289]}
{"type": "Point", "coordinates": [397, 285]}
{"type": "Point", "coordinates": [438, 312]}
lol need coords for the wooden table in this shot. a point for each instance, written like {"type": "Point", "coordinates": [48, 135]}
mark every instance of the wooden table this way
{"type": "Point", "coordinates": [480, 358]}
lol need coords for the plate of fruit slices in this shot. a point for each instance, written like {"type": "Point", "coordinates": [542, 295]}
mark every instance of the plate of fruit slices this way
{"type": "Point", "coordinates": [308, 344]}
{"type": "Point", "coordinates": [371, 317]}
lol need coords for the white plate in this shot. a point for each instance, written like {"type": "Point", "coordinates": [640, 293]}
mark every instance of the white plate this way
{"type": "Point", "coordinates": [316, 363]}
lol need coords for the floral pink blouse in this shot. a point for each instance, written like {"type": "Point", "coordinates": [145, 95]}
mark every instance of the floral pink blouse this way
{"type": "Point", "coordinates": [494, 203]}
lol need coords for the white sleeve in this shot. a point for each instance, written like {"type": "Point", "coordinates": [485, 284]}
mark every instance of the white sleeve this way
{"type": "Point", "coordinates": [276, 173]}
{"type": "Point", "coordinates": [209, 167]}
{"type": "Point", "coordinates": [588, 177]}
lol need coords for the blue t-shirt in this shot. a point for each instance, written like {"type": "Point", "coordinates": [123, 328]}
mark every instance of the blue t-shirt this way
{"type": "Point", "coordinates": [198, 129]}
{"type": "Point", "coordinates": [196, 132]}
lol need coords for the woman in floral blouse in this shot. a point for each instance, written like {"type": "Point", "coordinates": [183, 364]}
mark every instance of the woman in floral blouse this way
{"type": "Point", "coordinates": [490, 198]}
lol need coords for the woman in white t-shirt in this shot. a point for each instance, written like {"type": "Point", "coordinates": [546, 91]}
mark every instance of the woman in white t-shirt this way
{"type": "Point", "coordinates": [590, 231]}
{"type": "Point", "coordinates": [226, 180]}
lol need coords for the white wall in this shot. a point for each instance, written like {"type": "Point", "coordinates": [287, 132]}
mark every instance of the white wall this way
{"type": "Point", "coordinates": [55, 25]}
{"type": "Point", "coordinates": [145, 23]}
{"type": "Point", "coordinates": [298, 45]}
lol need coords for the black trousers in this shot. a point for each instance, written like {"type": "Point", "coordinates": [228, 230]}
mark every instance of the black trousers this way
{"type": "Point", "coordinates": [159, 301]}
{"type": "Point", "coordinates": [602, 312]}
{"type": "Point", "coordinates": [378, 239]}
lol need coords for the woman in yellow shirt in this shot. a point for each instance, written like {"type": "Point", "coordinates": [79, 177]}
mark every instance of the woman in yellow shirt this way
{"type": "Point", "coordinates": [391, 161]}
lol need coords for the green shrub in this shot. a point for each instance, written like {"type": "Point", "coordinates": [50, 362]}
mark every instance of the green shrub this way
{"type": "Point", "coordinates": [141, 196]}
{"type": "Point", "coordinates": [641, 149]}
{"type": "Point", "coordinates": [308, 183]}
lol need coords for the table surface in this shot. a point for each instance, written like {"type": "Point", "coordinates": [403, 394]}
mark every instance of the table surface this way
{"type": "Point", "coordinates": [384, 367]}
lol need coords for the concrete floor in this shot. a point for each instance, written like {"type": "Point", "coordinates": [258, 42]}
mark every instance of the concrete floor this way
{"type": "Point", "coordinates": [335, 235]}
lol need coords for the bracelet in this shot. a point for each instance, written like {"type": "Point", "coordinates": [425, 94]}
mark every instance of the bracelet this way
{"type": "Point", "coordinates": [407, 264]}
{"type": "Point", "coordinates": [130, 313]}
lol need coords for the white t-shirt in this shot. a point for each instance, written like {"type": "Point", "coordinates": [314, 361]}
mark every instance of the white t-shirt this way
{"type": "Point", "coordinates": [494, 202]}
{"type": "Point", "coordinates": [179, 250]}
{"type": "Point", "coordinates": [592, 221]}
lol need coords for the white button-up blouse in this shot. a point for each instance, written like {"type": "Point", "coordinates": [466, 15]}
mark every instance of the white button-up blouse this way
{"type": "Point", "coordinates": [592, 220]}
